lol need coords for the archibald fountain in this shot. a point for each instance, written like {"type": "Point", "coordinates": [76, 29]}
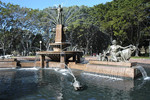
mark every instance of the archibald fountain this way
{"type": "Point", "coordinates": [102, 76]}
{"type": "Point", "coordinates": [60, 56]}
{"type": "Point", "coordinates": [60, 53]}
{"type": "Point", "coordinates": [116, 64]}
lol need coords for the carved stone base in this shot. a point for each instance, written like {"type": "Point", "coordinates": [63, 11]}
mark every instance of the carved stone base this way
{"type": "Point", "coordinates": [121, 64]}
{"type": "Point", "coordinates": [94, 67]}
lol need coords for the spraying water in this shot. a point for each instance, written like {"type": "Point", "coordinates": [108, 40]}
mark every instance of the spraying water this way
{"type": "Point", "coordinates": [28, 68]}
{"type": "Point", "coordinates": [35, 61]}
{"type": "Point", "coordinates": [103, 76]}
{"type": "Point", "coordinates": [76, 84]}
{"type": "Point", "coordinates": [70, 71]}
{"type": "Point", "coordinates": [144, 74]}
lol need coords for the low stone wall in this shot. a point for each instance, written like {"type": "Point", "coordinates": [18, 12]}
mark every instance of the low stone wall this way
{"type": "Point", "coordinates": [120, 64]}
{"type": "Point", "coordinates": [29, 64]}
{"type": "Point", "coordinates": [14, 63]}
{"type": "Point", "coordinates": [8, 63]}
{"type": "Point", "coordinates": [55, 64]}
{"type": "Point", "coordinates": [78, 66]}
{"type": "Point", "coordinates": [109, 68]}
{"type": "Point", "coordinates": [102, 68]}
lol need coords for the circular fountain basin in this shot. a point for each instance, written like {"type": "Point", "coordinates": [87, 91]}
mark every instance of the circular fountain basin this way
{"type": "Point", "coordinates": [48, 84]}
{"type": "Point", "coordinates": [60, 43]}
{"type": "Point", "coordinates": [55, 55]}
{"type": "Point", "coordinates": [59, 46]}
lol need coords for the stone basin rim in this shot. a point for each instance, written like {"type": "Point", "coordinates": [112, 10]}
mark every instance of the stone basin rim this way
{"type": "Point", "coordinates": [58, 52]}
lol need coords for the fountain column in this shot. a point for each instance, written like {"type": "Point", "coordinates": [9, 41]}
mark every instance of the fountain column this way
{"type": "Point", "coordinates": [42, 59]}
{"type": "Point", "coordinates": [59, 55]}
{"type": "Point", "coordinates": [59, 38]}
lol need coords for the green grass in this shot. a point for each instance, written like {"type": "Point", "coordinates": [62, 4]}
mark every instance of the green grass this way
{"type": "Point", "coordinates": [141, 57]}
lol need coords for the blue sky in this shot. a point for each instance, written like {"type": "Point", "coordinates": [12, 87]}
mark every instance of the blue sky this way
{"type": "Point", "coordinates": [41, 4]}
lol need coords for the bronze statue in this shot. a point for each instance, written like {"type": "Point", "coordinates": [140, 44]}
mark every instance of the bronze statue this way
{"type": "Point", "coordinates": [59, 14]}
{"type": "Point", "coordinates": [118, 53]}
{"type": "Point", "coordinates": [115, 50]}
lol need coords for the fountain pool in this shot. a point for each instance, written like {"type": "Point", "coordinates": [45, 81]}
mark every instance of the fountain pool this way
{"type": "Point", "coordinates": [52, 84]}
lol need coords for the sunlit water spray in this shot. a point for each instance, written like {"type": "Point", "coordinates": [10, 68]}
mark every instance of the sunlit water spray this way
{"type": "Point", "coordinates": [76, 84]}
{"type": "Point", "coordinates": [35, 61]}
{"type": "Point", "coordinates": [144, 74]}
{"type": "Point", "coordinates": [28, 68]}
{"type": "Point", "coordinates": [103, 76]}
{"type": "Point", "coordinates": [62, 71]}
{"type": "Point", "coordinates": [7, 68]}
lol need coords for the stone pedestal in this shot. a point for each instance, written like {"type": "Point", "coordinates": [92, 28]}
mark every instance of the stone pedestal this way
{"type": "Point", "coordinates": [62, 58]}
{"type": "Point", "coordinates": [60, 37]}
{"type": "Point", "coordinates": [42, 59]}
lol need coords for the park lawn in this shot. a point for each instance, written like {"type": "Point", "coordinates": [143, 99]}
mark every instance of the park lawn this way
{"type": "Point", "coordinates": [140, 57]}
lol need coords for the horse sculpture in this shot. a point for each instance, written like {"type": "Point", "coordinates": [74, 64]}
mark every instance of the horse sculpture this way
{"type": "Point", "coordinates": [124, 55]}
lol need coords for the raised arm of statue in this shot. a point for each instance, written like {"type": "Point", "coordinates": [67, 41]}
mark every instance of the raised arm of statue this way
{"type": "Point", "coordinates": [125, 47]}
{"type": "Point", "coordinates": [59, 14]}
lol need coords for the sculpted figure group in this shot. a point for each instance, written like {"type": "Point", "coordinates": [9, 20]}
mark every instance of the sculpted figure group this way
{"type": "Point", "coordinates": [117, 53]}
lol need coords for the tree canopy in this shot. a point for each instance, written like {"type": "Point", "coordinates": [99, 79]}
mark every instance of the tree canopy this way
{"type": "Point", "coordinates": [91, 28]}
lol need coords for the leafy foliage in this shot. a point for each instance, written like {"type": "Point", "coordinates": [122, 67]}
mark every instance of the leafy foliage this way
{"type": "Point", "coordinates": [91, 28]}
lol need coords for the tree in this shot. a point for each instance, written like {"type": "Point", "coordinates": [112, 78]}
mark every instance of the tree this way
{"type": "Point", "coordinates": [84, 32]}
{"type": "Point", "coordinates": [124, 20]}
{"type": "Point", "coordinates": [15, 21]}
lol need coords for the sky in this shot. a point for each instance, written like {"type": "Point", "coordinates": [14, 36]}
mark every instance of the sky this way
{"type": "Point", "coordinates": [41, 4]}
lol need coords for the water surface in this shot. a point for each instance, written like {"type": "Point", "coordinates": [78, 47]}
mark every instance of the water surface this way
{"type": "Point", "coordinates": [50, 84]}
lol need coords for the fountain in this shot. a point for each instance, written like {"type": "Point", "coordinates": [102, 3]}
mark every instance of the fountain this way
{"type": "Point", "coordinates": [59, 53]}
{"type": "Point", "coordinates": [103, 78]}
{"type": "Point", "coordinates": [116, 64]}
{"type": "Point", "coordinates": [60, 56]}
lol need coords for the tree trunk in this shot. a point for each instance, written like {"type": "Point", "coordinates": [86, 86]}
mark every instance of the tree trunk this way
{"type": "Point", "coordinates": [87, 48]}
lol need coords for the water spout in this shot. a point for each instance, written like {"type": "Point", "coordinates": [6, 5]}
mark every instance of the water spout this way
{"type": "Point", "coordinates": [71, 73]}
{"type": "Point", "coordinates": [144, 74]}
{"type": "Point", "coordinates": [76, 84]}
{"type": "Point", "coordinates": [35, 61]}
